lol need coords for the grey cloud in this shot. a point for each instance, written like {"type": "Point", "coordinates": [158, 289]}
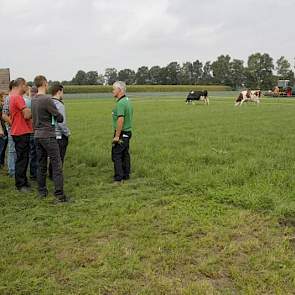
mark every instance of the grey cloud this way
{"type": "Point", "coordinates": [59, 37]}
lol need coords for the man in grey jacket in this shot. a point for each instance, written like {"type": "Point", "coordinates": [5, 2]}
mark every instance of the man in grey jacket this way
{"type": "Point", "coordinates": [45, 114]}
{"type": "Point", "coordinates": [62, 131]}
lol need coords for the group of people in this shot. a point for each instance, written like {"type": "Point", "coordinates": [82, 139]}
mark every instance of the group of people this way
{"type": "Point", "coordinates": [34, 133]}
{"type": "Point", "coordinates": [34, 130]}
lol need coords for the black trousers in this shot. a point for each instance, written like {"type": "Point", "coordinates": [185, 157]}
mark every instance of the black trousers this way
{"type": "Point", "coordinates": [63, 144]}
{"type": "Point", "coordinates": [33, 158]}
{"type": "Point", "coordinates": [2, 157]}
{"type": "Point", "coordinates": [48, 148]}
{"type": "Point", "coordinates": [121, 157]}
{"type": "Point", "coordinates": [22, 148]}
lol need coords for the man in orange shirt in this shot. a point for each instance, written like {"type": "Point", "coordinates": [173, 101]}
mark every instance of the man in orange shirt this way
{"type": "Point", "coordinates": [21, 129]}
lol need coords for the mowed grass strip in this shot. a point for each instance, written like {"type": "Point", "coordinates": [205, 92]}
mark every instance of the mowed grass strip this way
{"type": "Point", "coordinates": [209, 209]}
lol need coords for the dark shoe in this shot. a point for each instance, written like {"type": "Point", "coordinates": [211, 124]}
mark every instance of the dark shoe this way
{"type": "Point", "coordinates": [126, 177]}
{"type": "Point", "coordinates": [61, 199]}
{"type": "Point", "coordinates": [28, 185]}
{"type": "Point", "coordinates": [24, 189]}
{"type": "Point", "coordinates": [43, 194]}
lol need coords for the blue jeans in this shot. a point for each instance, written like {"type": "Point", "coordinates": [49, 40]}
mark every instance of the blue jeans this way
{"type": "Point", "coordinates": [11, 157]}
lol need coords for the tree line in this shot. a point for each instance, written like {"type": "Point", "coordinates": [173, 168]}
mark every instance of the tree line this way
{"type": "Point", "coordinates": [260, 71]}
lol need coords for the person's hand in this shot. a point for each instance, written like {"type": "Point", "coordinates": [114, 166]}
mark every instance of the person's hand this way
{"type": "Point", "coordinates": [116, 139]}
{"type": "Point", "coordinates": [1, 134]}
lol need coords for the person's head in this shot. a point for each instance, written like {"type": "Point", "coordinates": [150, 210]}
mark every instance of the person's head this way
{"type": "Point", "coordinates": [57, 90]}
{"type": "Point", "coordinates": [20, 85]}
{"type": "Point", "coordinates": [41, 83]}
{"type": "Point", "coordinates": [28, 92]}
{"type": "Point", "coordinates": [119, 89]}
{"type": "Point", "coordinates": [11, 85]}
{"type": "Point", "coordinates": [34, 91]}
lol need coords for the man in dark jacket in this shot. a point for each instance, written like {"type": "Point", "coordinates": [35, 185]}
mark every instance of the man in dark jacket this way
{"type": "Point", "coordinates": [45, 113]}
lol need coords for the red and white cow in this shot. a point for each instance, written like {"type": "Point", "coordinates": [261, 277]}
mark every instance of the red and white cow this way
{"type": "Point", "coordinates": [248, 96]}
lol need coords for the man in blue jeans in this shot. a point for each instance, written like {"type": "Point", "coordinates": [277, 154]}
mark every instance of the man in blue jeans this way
{"type": "Point", "coordinates": [2, 136]}
{"type": "Point", "coordinates": [11, 156]}
{"type": "Point", "coordinates": [3, 133]}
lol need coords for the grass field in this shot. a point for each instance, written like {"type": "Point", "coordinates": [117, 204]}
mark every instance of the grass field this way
{"type": "Point", "coordinates": [210, 208]}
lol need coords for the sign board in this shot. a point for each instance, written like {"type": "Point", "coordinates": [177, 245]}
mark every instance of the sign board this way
{"type": "Point", "coordinates": [4, 80]}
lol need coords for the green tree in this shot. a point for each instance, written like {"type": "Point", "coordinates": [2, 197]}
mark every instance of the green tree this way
{"type": "Point", "coordinates": [197, 72]}
{"type": "Point", "coordinates": [283, 67]}
{"type": "Point", "coordinates": [186, 73]}
{"type": "Point", "coordinates": [111, 76]}
{"type": "Point", "coordinates": [221, 69]}
{"type": "Point", "coordinates": [80, 78]}
{"type": "Point", "coordinates": [173, 73]}
{"type": "Point", "coordinates": [207, 73]}
{"type": "Point", "coordinates": [238, 75]}
{"type": "Point", "coordinates": [100, 79]}
{"type": "Point", "coordinates": [284, 70]}
{"type": "Point", "coordinates": [155, 75]}
{"type": "Point", "coordinates": [164, 76]}
{"type": "Point", "coordinates": [259, 72]}
{"type": "Point", "coordinates": [91, 77]}
{"type": "Point", "coordinates": [142, 76]}
{"type": "Point", "coordinates": [127, 75]}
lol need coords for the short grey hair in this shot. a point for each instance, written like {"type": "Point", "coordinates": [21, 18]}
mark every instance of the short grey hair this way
{"type": "Point", "coordinates": [121, 85]}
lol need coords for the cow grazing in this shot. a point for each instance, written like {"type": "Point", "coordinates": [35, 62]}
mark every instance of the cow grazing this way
{"type": "Point", "coordinates": [194, 96]}
{"type": "Point", "coordinates": [248, 96]}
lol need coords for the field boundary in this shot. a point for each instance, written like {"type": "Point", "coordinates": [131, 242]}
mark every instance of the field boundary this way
{"type": "Point", "coordinates": [74, 89]}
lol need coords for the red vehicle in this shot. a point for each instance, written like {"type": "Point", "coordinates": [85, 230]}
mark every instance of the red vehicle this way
{"type": "Point", "coordinates": [283, 88]}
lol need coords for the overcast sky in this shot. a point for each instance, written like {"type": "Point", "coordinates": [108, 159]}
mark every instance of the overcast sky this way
{"type": "Point", "coordinates": [59, 37]}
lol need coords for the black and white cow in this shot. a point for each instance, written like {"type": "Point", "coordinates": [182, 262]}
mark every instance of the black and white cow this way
{"type": "Point", "coordinates": [197, 96]}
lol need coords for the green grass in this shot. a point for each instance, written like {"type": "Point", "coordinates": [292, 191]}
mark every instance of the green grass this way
{"type": "Point", "coordinates": [210, 208]}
